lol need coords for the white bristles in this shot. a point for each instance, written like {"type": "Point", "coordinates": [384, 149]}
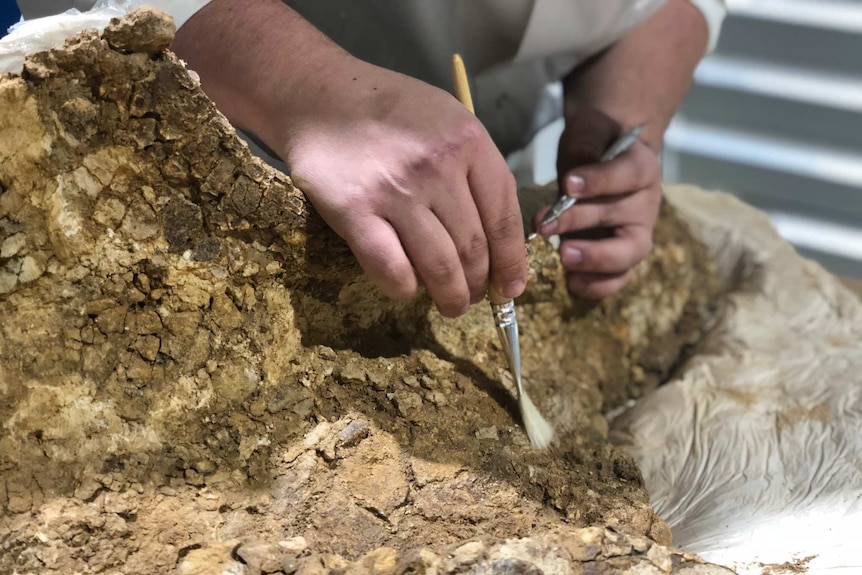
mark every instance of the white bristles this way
{"type": "Point", "coordinates": [538, 429]}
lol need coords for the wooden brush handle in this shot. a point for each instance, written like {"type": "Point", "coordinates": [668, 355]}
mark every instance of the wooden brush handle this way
{"type": "Point", "coordinates": [462, 92]}
{"type": "Point", "coordinates": [462, 86]}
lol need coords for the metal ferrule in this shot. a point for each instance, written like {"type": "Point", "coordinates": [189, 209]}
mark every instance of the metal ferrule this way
{"type": "Point", "coordinates": [507, 328]}
{"type": "Point", "coordinates": [504, 314]}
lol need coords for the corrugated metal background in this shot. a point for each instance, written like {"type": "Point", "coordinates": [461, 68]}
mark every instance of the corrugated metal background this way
{"type": "Point", "coordinates": [775, 116]}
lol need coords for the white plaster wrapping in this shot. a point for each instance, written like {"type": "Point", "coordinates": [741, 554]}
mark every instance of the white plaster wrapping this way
{"type": "Point", "coordinates": [752, 452]}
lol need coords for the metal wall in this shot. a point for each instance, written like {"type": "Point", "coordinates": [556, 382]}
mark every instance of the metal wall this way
{"type": "Point", "coordinates": [775, 116]}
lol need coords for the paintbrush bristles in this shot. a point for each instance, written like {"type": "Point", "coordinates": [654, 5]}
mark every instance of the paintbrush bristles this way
{"type": "Point", "coordinates": [538, 429]}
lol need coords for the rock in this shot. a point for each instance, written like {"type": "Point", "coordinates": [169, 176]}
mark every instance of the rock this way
{"type": "Point", "coordinates": [212, 559]}
{"type": "Point", "coordinates": [486, 433]}
{"type": "Point", "coordinates": [660, 557]}
{"type": "Point", "coordinates": [353, 373]}
{"type": "Point", "coordinates": [411, 381]}
{"type": "Point", "coordinates": [325, 352]}
{"type": "Point", "coordinates": [294, 545]}
{"type": "Point", "coordinates": [378, 380]}
{"type": "Point", "coordinates": [143, 29]}
{"type": "Point", "coordinates": [227, 316]}
{"type": "Point", "coordinates": [584, 544]}
{"type": "Point", "coordinates": [353, 433]}
{"type": "Point", "coordinates": [420, 562]}
{"type": "Point", "coordinates": [193, 477]}
{"type": "Point", "coordinates": [261, 557]}
{"type": "Point", "coordinates": [381, 561]}
{"type": "Point", "coordinates": [407, 402]}
{"type": "Point", "coordinates": [466, 554]}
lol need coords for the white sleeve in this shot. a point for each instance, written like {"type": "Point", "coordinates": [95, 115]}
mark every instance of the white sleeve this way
{"type": "Point", "coordinates": [713, 11]}
{"type": "Point", "coordinates": [581, 29]}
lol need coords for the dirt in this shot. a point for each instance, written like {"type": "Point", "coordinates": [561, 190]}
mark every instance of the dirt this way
{"type": "Point", "coordinates": [195, 375]}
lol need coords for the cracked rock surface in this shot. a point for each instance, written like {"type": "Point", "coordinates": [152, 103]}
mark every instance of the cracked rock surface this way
{"type": "Point", "coordinates": [195, 376]}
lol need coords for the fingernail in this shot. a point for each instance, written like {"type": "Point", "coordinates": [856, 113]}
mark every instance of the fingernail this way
{"type": "Point", "coordinates": [572, 256]}
{"type": "Point", "coordinates": [550, 229]}
{"type": "Point", "coordinates": [574, 185]}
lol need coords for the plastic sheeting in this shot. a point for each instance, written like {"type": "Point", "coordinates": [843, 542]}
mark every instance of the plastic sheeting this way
{"type": "Point", "coordinates": [51, 31]}
{"type": "Point", "coordinates": [752, 452]}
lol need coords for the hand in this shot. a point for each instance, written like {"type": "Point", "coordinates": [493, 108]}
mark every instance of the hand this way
{"type": "Point", "coordinates": [413, 183]}
{"type": "Point", "coordinates": [610, 229]}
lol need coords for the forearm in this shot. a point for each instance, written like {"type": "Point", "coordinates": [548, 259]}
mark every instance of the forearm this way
{"type": "Point", "coordinates": [645, 75]}
{"type": "Point", "coordinates": [259, 61]}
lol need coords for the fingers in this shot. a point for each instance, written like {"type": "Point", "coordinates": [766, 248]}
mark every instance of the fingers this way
{"type": "Point", "coordinates": [462, 222]}
{"type": "Point", "coordinates": [378, 250]}
{"type": "Point", "coordinates": [597, 286]}
{"type": "Point", "coordinates": [614, 255]}
{"type": "Point", "coordinates": [493, 188]}
{"type": "Point", "coordinates": [635, 169]}
{"type": "Point", "coordinates": [435, 257]}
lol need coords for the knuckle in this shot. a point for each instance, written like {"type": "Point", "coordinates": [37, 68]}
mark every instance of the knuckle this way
{"type": "Point", "coordinates": [471, 133]}
{"type": "Point", "coordinates": [505, 229]}
{"type": "Point", "coordinates": [435, 155]}
{"type": "Point", "coordinates": [510, 269]}
{"type": "Point", "coordinates": [475, 250]}
{"type": "Point", "coordinates": [596, 181]}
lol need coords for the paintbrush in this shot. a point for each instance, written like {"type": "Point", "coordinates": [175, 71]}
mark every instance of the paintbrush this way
{"type": "Point", "coordinates": [537, 427]}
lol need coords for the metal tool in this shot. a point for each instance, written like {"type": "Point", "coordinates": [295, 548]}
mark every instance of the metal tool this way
{"type": "Point", "coordinates": [565, 201]}
{"type": "Point", "coordinates": [538, 429]}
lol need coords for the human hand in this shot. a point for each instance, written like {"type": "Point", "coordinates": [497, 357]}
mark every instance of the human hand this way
{"type": "Point", "coordinates": [411, 181]}
{"type": "Point", "coordinates": [610, 229]}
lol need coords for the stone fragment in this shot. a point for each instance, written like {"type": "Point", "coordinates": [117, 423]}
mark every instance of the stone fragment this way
{"type": "Point", "coordinates": [420, 562]}
{"type": "Point", "coordinates": [261, 557]}
{"type": "Point", "coordinates": [112, 320]}
{"type": "Point", "coordinates": [660, 557]}
{"type": "Point", "coordinates": [148, 346]}
{"type": "Point", "coordinates": [353, 373]}
{"type": "Point", "coordinates": [194, 477]}
{"type": "Point", "coordinates": [583, 544]}
{"type": "Point", "coordinates": [294, 545]}
{"type": "Point", "coordinates": [326, 352]}
{"type": "Point", "coordinates": [353, 433]}
{"type": "Point", "coordinates": [467, 554]}
{"type": "Point", "coordinates": [381, 561]}
{"type": "Point", "coordinates": [143, 29]}
{"type": "Point", "coordinates": [407, 402]}
{"type": "Point", "coordinates": [225, 313]}
{"type": "Point", "coordinates": [12, 245]}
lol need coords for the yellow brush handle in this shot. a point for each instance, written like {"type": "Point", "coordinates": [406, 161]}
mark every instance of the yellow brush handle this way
{"type": "Point", "coordinates": [462, 92]}
{"type": "Point", "coordinates": [462, 86]}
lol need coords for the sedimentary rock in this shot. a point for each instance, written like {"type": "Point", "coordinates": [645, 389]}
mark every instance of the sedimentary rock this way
{"type": "Point", "coordinates": [193, 368]}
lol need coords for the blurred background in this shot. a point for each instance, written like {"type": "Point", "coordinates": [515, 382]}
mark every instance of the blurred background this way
{"type": "Point", "coordinates": [775, 116]}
